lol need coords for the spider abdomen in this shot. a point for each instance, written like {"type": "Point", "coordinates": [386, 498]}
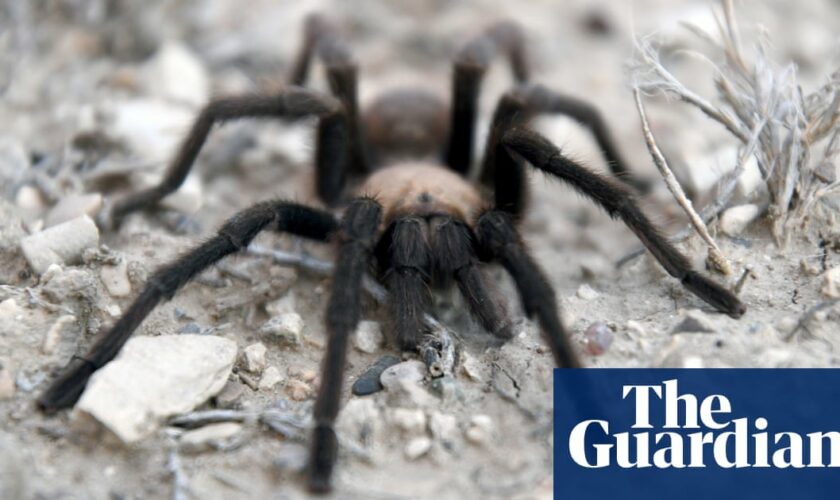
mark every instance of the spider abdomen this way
{"type": "Point", "coordinates": [423, 189]}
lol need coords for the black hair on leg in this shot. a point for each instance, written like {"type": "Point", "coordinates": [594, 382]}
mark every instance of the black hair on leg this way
{"type": "Point", "coordinates": [358, 235]}
{"type": "Point", "coordinates": [404, 255]}
{"type": "Point", "coordinates": [234, 235]}
{"type": "Point", "coordinates": [291, 103]}
{"type": "Point", "coordinates": [471, 63]}
{"type": "Point", "coordinates": [620, 202]}
{"type": "Point", "coordinates": [321, 38]}
{"type": "Point", "coordinates": [500, 241]}
{"type": "Point", "coordinates": [454, 248]}
{"type": "Point", "coordinates": [519, 106]}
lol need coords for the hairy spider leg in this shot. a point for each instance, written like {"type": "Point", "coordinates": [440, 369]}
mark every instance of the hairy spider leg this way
{"type": "Point", "coordinates": [233, 236]}
{"type": "Point", "coordinates": [619, 202]}
{"type": "Point", "coordinates": [290, 103]}
{"type": "Point", "coordinates": [469, 67]}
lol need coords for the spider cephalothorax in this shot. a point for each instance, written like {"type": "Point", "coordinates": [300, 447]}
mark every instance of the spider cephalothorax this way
{"type": "Point", "coordinates": [397, 173]}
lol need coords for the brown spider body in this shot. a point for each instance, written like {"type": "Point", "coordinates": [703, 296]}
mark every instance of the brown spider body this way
{"type": "Point", "coordinates": [424, 190]}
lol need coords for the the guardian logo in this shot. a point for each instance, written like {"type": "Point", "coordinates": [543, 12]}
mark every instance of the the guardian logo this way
{"type": "Point", "coordinates": [692, 430]}
{"type": "Point", "coordinates": [649, 434]}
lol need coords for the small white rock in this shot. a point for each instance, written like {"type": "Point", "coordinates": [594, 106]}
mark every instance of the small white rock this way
{"type": "Point", "coordinates": [29, 199]}
{"type": "Point", "coordinates": [417, 447]}
{"type": "Point", "coordinates": [286, 328]}
{"type": "Point", "coordinates": [73, 206]}
{"type": "Point", "coordinates": [115, 279]}
{"type": "Point", "coordinates": [253, 357]}
{"type": "Point", "coordinates": [53, 336]}
{"type": "Point", "coordinates": [480, 429]}
{"type": "Point", "coordinates": [270, 378]}
{"type": "Point", "coordinates": [410, 421]}
{"type": "Point", "coordinates": [471, 367]}
{"type": "Point", "coordinates": [368, 338]}
{"type": "Point", "coordinates": [831, 283]}
{"type": "Point", "coordinates": [61, 244]}
{"type": "Point", "coordinates": [734, 220]}
{"type": "Point", "coordinates": [444, 427]}
{"type": "Point", "coordinates": [153, 378]}
{"type": "Point", "coordinates": [176, 74]}
{"type": "Point", "coordinates": [586, 292]}
{"type": "Point", "coordinates": [7, 384]}
{"type": "Point", "coordinates": [298, 390]}
{"type": "Point", "coordinates": [209, 437]}
{"type": "Point", "coordinates": [412, 371]}
{"type": "Point", "coordinates": [151, 127]}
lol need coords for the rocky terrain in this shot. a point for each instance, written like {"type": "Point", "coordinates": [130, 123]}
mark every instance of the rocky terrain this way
{"type": "Point", "coordinates": [213, 396]}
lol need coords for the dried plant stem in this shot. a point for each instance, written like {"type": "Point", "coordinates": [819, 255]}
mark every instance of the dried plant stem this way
{"type": "Point", "coordinates": [716, 257]}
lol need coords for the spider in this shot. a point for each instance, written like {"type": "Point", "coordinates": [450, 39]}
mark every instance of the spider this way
{"type": "Point", "coordinates": [397, 173]}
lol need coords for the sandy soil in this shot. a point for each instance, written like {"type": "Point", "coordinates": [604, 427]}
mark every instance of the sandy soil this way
{"type": "Point", "coordinates": [66, 68]}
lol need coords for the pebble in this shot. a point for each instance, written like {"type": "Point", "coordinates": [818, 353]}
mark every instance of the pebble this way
{"type": "Point", "coordinates": [360, 420]}
{"type": "Point", "coordinates": [253, 358]}
{"type": "Point", "coordinates": [410, 421]}
{"type": "Point", "coordinates": [56, 331]}
{"type": "Point", "coordinates": [298, 390]}
{"type": "Point", "coordinates": [73, 206]}
{"type": "Point", "coordinates": [412, 371]}
{"type": "Point", "coordinates": [480, 430]}
{"type": "Point", "coordinates": [586, 292]}
{"type": "Point", "coordinates": [154, 378]}
{"type": "Point", "coordinates": [176, 74]}
{"type": "Point", "coordinates": [230, 395]}
{"type": "Point", "coordinates": [61, 244]}
{"type": "Point", "coordinates": [733, 221]}
{"type": "Point", "coordinates": [471, 367]}
{"type": "Point", "coordinates": [599, 338]}
{"type": "Point", "coordinates": [29, 199]}
{"type": "Point", "coordinates": [417, 447]}
{"type": "Point", "coordinates": [7, 384]}
{"type": "Point", "coordinates": [635, 328]}
{"type": "Point", "coordinates": [694, 321]}
{"type": "Point", "coordinates": [444, 427]}
{"type": "Point", "coordinates": [368, 338]}
{"type": "Point", "coordinates": [270, 378]}
{"type": "Point", "coordinates": [831, 283]}
{"type": "Point", "coordinates": [368, 382]}
{"type": "Point", "coordinates": [115, 279]}
{"type": "Point", "coordinates": [284, 329]}
{"type": "Point", "coordinates": [209, 437]}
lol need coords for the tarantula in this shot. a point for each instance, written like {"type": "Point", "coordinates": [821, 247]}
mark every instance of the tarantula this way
{"type": "Point", "coordinates": [398, 171]}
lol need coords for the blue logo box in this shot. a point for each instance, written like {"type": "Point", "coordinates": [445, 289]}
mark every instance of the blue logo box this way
{"type": "Point", "coordinates": [696, 434]}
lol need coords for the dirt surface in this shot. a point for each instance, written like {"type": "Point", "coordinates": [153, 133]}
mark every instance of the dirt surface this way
{"type": "Point", "coordinates": [69, 74]}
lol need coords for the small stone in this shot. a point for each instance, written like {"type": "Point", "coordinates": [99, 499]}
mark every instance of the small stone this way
{"type": "Point", "coordinates": [298, 390]}
{"type": "Point", "coordinates": [599, 338]}
{"type": "Point", "coordinates": [253, 357]}
{"type": "Point", "coordinates": [694, 321]}
{"type": "Point", "coordinates": [410, 421]}
{"type": "Point", "coordinates": [29, 199]}
{"type": "Point", "coordinates": [368, 338]}
{"type": "Point", "coordinates": [73, 206]}
{"type": "Point", "coordinates": [284, 305]}
{"type": "Point", "coordinates": [635, 328]}
{"type": "Point", "coordinates": [7, 384]}
{"type": "Point", "coordinates": [285, 329]}
{"type": "Point", "coordinates": [444, 427]}
{"type": "Point", "coordinates": [115, 279]}
{"type": "Point", "coordinates": [692, 362]}
{"type": "Point", "coordinates": [480, 430]}
{"type": "Point", "coordinates": [54, 334]}
{"type": "Point", "coordinates": [831, 283]}
{"type": "Point", "coordinates": [61, 244]}
{"type": "Point", "coordinates": [412, 371]}
{"type": "Point", "coordinates": [176, 74]}
{"type": "Point", "coordinates": [146, 125]}
{"type": "Point", "coordinates": [209, 437]}
{"type": "Point", "coordinates": [230, 395]}
{"type": "Point", "coordinates": [417, 447]}
{"type": "Point", "coordinates": [153, 378]}
{"type": "Point", "coordinates": [270, 378]}
{"type": "Point", "coordinates": [368, 382]}
{"type": "Point", "coordinates": [586, 292]}
{"type": "Point", "coordinates": [360, 420]}
{"type": "Point", "coordinates": [305, 374]}
{"type": "Point", "coordinates": [733, 221]}
{"type": "Point", "coordinates": [471, 367]}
